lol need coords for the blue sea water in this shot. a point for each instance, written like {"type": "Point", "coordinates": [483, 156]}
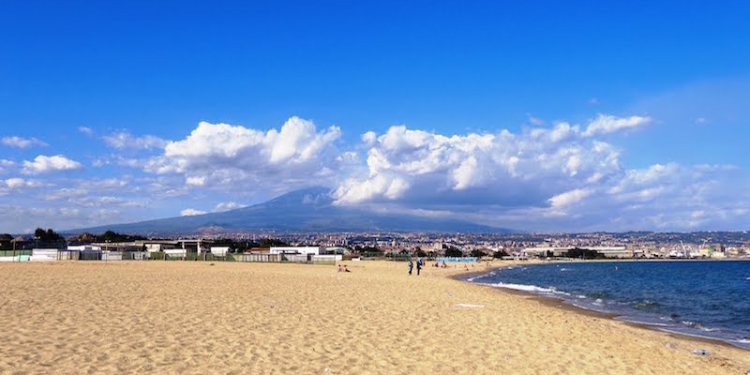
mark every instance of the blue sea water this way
{"type": "Point", "coordinates": [699, 298]}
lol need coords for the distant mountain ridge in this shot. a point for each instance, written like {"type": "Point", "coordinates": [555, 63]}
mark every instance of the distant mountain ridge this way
{"type": "Point", "coordinates": [305, 210]}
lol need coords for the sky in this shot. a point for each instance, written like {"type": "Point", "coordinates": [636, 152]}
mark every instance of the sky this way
{"type": "Point", "coordinates": [535, 116]}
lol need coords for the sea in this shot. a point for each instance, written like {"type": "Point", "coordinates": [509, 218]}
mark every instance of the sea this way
{"type": "Point", "coordinates": [709, 299]}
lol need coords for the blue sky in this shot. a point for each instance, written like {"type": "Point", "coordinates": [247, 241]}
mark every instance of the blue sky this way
{"type": "Point", "coordinates": [535, 116]}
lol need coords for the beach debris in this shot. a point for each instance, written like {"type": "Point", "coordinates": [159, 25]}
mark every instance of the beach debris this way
{"type": "Point", "coordinates": [325, 369]}
{"type": "Point", "coordinates": [701, 352]}
{"type": "Point", "coordinates": [449, 294]}
{"type": "Point", "coordinates": [469, 306]}
{"type": "Point", "coordinates": [211, 264]}
{"type": "Point", "coordinates": [507, 358]}
{"type": "Point", "coordinates": [671, 345]}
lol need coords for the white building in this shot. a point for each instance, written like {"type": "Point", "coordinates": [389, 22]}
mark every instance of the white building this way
{"type": "Point", "coordinates": [85, 248]}
{"type": "Point", "coordinates": [219, 251]}
{"type": "Point", "coordinates": [307, 250]}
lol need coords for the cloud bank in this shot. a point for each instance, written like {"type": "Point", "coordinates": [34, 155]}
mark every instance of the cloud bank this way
{"type": "Point", "coordinates": [562, 176]}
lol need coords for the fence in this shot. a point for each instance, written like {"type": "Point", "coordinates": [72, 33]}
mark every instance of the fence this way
{"type": "Point", "coordinates": [112, 256]}
{"type": "Point", "coordinates": [11, 253]}
{"type": "Point", "coordinates": [456, 260]}
{"type": "Point", "coordinates": [277, 258]}
{"type": "Point", "coordinates": [290, 258]}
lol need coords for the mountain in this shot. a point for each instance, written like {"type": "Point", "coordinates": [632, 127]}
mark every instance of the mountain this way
{"type": "Point", "coordinates": [306, 210]}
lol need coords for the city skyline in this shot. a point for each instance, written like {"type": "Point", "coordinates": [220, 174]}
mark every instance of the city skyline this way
{"type": "Point", "coordinates": [573, 118]}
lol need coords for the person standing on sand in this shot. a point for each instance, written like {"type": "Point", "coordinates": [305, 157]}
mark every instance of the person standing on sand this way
{"type": "Point", "coordinates": [419, 265]}
{"type": "Point", "coordinates": [411, 266]}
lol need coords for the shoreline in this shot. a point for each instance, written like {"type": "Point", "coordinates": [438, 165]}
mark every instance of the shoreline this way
{"type": "Point", "coordinates": [560, 303]}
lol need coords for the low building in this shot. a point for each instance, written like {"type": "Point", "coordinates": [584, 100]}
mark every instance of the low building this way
{"type": "Point", "coordinates": [158, 245]}
{"type": "Point", "coordinates": [305, 250]}
{"type": "Point", "coordinates": [219, 251]}
{"type": "Point", "coordinates": [335, 250]}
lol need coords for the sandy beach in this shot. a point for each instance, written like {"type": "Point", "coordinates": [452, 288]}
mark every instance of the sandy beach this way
{"type": "Point", "coordinates": [242, 318]}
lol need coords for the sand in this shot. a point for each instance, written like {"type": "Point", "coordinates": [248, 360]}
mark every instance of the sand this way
{"type": "Point", "coordinates": [241, 318]}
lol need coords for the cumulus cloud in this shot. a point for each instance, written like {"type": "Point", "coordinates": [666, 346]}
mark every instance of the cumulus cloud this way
{"type": "Point", "coordinates": [124, 140]}
{"type": "Point", "coordinates": [46, 164]}
{"type": "Point", "coordinates": [191, 212]}
{"type": "Point", "coordinates": [19, 142]}
{"type": "Point", "coordinates": [540, 162]}
{"type": "Point", "coordinates": [227, 155]}
{"type": "Point", "coordinates": [561, 176]}
{"type": "Point", "coordinates": [604, 124]}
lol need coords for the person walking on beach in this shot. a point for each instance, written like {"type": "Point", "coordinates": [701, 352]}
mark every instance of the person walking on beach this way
{"type": "Point", "coordinates": [411, 265]}
{"type": "Point", "coordinates": [419, 265]}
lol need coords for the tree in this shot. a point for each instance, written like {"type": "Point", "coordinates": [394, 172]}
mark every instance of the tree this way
{"type": "Point", "coordinates": [454, 252]}
{"type": "Point", "coordinates": [499, 254]}
{"type": "Point", "coordinates": [476, 253]}
{"type": "Point", "coordinates": [46, 235]}
{"type": "Point", "coordinates": [5, 242]}
{"type": "Point", "coordinates": [112, 236]}
{"type": "Point", "coordinates": [369, 251]}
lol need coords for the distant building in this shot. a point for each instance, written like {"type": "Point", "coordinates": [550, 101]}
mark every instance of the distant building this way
{"type": "Point", "coordinates": [306, 250]}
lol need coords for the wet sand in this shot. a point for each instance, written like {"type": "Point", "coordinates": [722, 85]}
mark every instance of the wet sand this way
{"type": "Point", "coordinates": [240, 318]}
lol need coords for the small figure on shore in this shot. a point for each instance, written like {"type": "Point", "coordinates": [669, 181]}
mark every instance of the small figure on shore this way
{"type": "Point", "coordinates": [340, 270]}
{"type": "Point", "coordinates": [419, 265]}
{"type": "Point", "coordinates": [411, 266]}
{"type": "Point", "coordinates": [444, 265]}
{"type": "Point", "coordinates": [346, 269]}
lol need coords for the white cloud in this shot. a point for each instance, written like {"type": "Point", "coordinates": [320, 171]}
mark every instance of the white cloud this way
{"type": "Point", "coordinates": [226, 156]}
{"type": "Point", "coordinates": [86, 130]}
{"type": "Point", "coordinates": [226, 206]}
{"type": "Point", "coordinates": [19, 142]}
{"type": "Point", "coordinates": [196, 181]}
{"type": "Point", "coordinates": [569, 198]}
{"type": "Point", "coordinates": [191, 212]}
{"type": "Point", "coordinates": [124, 140]}
{"type": "Point", "coordinates": [46, 164]}
{"type": "Point", "coordinates": [414, 164]}
{"type": "Point", "coordinates": [605, 124]}
{"type": "Point", "coordinates": [369, 137]}
{"type": "Point", "coordinates": [14, 185]}
{"type": "Point", "coordinates": [594, 101]}
{"type": "Point", "coordinates": [561, 176]}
